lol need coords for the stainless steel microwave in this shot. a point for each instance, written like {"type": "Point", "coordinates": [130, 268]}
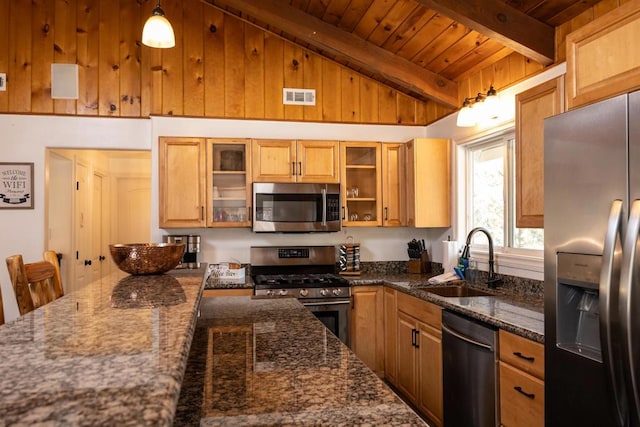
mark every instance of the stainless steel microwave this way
{"type": "Point", "coordinates": [296, 207]}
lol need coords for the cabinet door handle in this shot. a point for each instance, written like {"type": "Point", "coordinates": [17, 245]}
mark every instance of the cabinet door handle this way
{"type": "Point", "coordinates": [522, 356]}
{"type": "Point", "coordinates": [413, 338]}
{"type": "Point", "coordinates": [202, 213]}
{"type": "Point", "coordinates": [416, 339]}
{"type": "Point", "coordinates": [300, 168]}
{"type": "Point", "coordinates": [343, 217]}
{"type": "Point", "coordinates": [249, 213]}
{"type": "Point", "coordinates": [529, 395]}
{"type": "Point", "coordinates": [386, 214]}
{"type": "Point", "coordinates": [293, 168]}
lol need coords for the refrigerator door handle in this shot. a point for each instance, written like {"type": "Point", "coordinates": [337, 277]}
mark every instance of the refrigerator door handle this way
{"type": "Point", "coordinates": [628, 298]}
{"type": "Point", "coordinates": [608, 306]}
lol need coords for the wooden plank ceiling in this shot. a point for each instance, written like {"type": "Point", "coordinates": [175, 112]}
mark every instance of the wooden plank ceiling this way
{"type": "Point", "coordinates": [420, 47]}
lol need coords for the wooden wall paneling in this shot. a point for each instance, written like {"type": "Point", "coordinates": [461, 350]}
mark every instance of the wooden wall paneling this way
{"type": "Point", "coordinates": [488, 78]}
{"type": "Point", "coordinates": [273, 76]}
{"type": "Point", "coordinates": [421, 118]}
{"type": "Point", "coordinates": [531, 67]}
{"type": "Point", "coordinates": [387, 105]}
{"type": "Point", "coordinates": [501, 73]}
{"type": "Point", "coordinates": [42, 29]}
{"type": "Point", "coordinates": [436, 25]}
{"type": "Point", "coordinates": [193, 58]}
{"type": "Point", "coordinates": [214, 62]}
{"type": "Point", "coordinates": [408, 29]}
{"type": "Point", "coordinates": [369, 102]}
{"type": "Point", "coordinates": [561, 34]}
{"type": "Point", "coordinates": [87, 47]}
{"type": "Point", "coordinates": [4, 51]}
{"type": "Point", "coordinates": [352, 15]}
{"type": "Point", "coordinates": [350, 99]}
{"type": "Point", "coordinates": [475, 84]}
{"type": "Point", "coordinates": [65, 46]}
{"type": "Point", "coordinates": [109, 59]}
{"type": "Point", "coordinates": [130, 52]}
{"type": "Point", "coordinates": [312, 65]}
{"type": "Point", "coordinates": [603, 7]}
{"type": "Point", "coordinates": [173, 96]}
{"type": "Point", "coordinates": [253, 72]}
{"type": "Point", "coordinates": [234, 67]}
{"type": "Point", "coordinates": [331, 92]}
{"type": "Point", "coordinates": [516, 67]}
{"type": "Point", "coordinates": [406, 110]}
{"type": "Point", "coordinates": [293, 78]}
{"type": "Point", "coordinates": [19, 70]}
{"type": "Point", "coordinates": [442, 42]}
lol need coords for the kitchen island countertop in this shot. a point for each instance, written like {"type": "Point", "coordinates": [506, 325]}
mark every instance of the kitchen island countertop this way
{"type": "Point", "coordinates": [112, 353]}
{"type": "Point", "coordinates": [271, 362]}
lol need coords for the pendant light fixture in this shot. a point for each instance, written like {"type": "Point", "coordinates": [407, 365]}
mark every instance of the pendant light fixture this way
{"type": "Point", "coordinates": [482, 109]}
{"type": "Point", "coordinates": [157, 31]}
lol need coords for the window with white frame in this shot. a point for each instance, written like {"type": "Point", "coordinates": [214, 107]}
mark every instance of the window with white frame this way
{"type": "Point", "coordinates": [490, 196]}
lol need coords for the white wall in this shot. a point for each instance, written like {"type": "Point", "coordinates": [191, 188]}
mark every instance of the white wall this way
{"type": "Point", "coordinates": [24, 139]}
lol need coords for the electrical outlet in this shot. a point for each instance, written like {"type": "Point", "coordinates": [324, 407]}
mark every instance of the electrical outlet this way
{"type": "Point", "coordinates": [3, 81]}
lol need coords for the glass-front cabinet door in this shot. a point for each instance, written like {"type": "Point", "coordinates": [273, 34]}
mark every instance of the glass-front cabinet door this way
{"type": "Point", "coordinates": [229, 183]}
{"type": "Point", "coordinates": [361, 184]}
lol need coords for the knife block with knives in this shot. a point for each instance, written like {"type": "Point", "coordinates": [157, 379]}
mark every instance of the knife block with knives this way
{"type": "Point", "coordinates": [419, 261]}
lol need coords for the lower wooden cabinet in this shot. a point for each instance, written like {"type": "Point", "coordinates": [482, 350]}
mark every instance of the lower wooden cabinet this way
{"type": "Point", "coordinates": [521, 381]}
{"type": "Point", "coordinates": [390, 335]}
{"type": "Point", "coordinates": [419, 354]}
{"type": "Point", "coordinates": [367, 338]}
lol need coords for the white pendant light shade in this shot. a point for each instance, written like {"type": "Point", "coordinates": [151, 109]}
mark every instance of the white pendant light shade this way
{"type": "Point", "coordinates": [157, 31]}
{"type": "Point", "coordinates": [466, 116]}
{"type": "Point", "coordinates": [491, 105]}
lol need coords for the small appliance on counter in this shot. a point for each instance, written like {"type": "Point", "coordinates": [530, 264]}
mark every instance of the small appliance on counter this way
{"type": "Point", "coordinates": [192, 247]}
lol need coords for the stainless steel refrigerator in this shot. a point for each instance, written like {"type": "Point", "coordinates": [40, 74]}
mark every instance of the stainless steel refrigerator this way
{"type": "Point", "coordinates": [592, 301]}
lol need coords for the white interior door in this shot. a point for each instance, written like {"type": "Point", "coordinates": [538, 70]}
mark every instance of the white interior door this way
{"type": "Point", "coordinates": [133, 210]}
{"type": "Point", "coordinates": [60, 213]}
{"type": "Point", "coordinates": [98, 250]}
{"type": "Point", "coordinates": [82, 228]}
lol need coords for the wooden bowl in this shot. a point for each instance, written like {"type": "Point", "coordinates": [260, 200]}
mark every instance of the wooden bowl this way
{"type": "Point", "coordinates": [146, 258]}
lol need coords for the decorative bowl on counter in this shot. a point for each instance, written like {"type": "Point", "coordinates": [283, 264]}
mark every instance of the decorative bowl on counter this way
{"type": "Point", "coordinates": [146, 258]}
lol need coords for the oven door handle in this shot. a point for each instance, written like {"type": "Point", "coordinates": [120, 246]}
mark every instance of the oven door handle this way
{"type": "Point", "coordinates": [324, 207]}
{"type": "Point", "coordinates": [341, 302]}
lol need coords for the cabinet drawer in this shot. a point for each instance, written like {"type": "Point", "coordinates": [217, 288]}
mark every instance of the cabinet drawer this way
{"type": "Point", "coordinates": [521, 398]}
{"type": "Point", "coordinates": [522, 353]}
{"type": "Point", "coordinates": [424, 311]}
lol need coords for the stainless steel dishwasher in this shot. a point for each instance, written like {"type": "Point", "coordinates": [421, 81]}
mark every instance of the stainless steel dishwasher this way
{"type": "Point", "coordinates": [470, 374]}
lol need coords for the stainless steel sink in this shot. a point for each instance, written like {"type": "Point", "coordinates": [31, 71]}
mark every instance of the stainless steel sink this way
{"type": "Point", "coordinates": [458, 291]}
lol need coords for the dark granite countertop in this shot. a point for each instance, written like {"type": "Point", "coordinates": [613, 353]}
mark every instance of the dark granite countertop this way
{"type": "Point", "coordinates": [271, 362]}
{"type": "Point", "coordinates": [519, 312]}
{"type": "Point", "coordinates": [112, 353]}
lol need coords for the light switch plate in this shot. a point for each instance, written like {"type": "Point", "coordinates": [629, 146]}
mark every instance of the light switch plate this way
{"type": "Point", "coordinates": [3, 81]}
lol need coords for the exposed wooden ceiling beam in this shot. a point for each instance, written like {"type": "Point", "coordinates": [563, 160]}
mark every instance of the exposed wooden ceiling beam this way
{"type": "Point", "coordinates": [343, 44]}
{"type": "Point", "coordinates": [497, 20]}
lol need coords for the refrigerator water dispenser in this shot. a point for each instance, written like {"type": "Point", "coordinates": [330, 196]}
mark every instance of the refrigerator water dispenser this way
{"type": "Point", "coordinates": [577, 302]}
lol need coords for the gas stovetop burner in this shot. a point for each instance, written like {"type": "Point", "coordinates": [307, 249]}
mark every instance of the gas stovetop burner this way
{"type": "Point", "coordinates": [303, 280]}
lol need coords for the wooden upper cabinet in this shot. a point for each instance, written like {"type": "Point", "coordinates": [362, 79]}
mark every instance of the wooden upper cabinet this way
{"type": "Point", "coordinates": [428, 183]}
{"type": "Point", "coordinates": [295, 161]}
{"type": "Point", "coordinates": [229, 192]}
{"type": "Point", "coordinates": [274, 160]}
{"type": "Point", "coordinates": [182, 182]}
{"type": "Point", "coordinates": [603, 59]}
{"type": "Point", "coordinates": [532, 107]}
{"type": "Point", "coordinates": [394, 211]}
{"type": "Point", "coordinates": [361, 183]}
{"type": "Point", "coordinates": [318, 161]}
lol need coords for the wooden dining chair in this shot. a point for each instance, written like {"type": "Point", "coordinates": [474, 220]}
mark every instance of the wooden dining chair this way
{"type": "Point", "coordinates": [35, 284]}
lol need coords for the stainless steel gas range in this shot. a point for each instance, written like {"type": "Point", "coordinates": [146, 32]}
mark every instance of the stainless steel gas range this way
{"type": "Point", "coordinates": [309, 274]}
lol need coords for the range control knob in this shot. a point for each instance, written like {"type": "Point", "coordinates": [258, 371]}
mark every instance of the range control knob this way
{"type": "Point", "coordinates": [269, 292]}
{"type": "Point", "coordinates": [324, 292]}
{"type": "Point", "coordinates": [283, 292]}
{"type": "Point", "coordinates": [337, 292]}
{"type": "Point", "coordinates": [304, 292]}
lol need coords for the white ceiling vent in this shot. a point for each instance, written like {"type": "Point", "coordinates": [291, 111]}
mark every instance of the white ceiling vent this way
{"type": "Point", "coordinates": [299, 96]}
